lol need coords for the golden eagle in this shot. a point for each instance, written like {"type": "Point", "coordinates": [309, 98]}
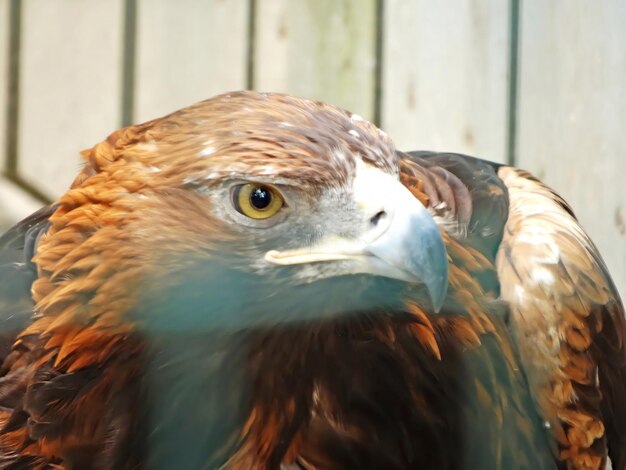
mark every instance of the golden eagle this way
{"type": "Point", "coordinates": [260, 281]}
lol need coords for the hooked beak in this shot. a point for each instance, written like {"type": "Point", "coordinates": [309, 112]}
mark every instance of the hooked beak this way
{"type": "Point", "coordinates": [400, 239]}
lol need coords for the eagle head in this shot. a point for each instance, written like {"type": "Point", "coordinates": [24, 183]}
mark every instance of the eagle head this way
{"type": "Point", "coordinates": [247, 202]}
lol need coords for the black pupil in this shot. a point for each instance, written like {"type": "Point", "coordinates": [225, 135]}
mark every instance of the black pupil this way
{"type": "Point", "coordinates": [260, 198]}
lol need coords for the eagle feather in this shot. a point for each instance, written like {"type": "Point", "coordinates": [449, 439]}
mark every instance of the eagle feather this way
{"type": "Point", "coordinates": [144, 324]}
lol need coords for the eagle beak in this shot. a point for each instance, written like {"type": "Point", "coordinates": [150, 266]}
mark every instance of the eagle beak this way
{"type": "Point", "coordinates": [412, 248]}
{"type": "Point", "coordinates": [399, 238]}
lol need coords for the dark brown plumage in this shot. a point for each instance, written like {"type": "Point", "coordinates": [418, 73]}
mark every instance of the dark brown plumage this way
{"type": "Point", "coordinates": [149, 319]}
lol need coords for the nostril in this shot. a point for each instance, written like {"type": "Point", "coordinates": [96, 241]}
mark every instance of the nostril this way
{"type": "Point", "coordinates": [377, 218]}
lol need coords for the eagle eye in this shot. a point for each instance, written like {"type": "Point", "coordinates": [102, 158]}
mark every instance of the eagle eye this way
{"type": "Point", "coordinates": [257, 201]}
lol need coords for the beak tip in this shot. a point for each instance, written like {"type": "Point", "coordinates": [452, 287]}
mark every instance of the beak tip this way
{"type": "Point", "coordinates": [437, 290]}
{"type": "Point", "coordinates": [433, 268]}
{"type": "Point", "coordinates": [438, 304]}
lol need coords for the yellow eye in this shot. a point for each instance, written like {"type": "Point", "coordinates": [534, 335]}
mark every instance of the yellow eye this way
{"type": "Point", "coordinates": [257, 201]}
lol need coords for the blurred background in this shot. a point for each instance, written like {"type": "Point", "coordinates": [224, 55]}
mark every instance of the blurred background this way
{"type": "Point", "coordinates": [536, 83]}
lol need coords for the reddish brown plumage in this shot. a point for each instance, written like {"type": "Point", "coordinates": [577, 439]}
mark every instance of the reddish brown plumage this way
{"type": "Point", "coordinates": [561, 321]}
{"type": "Point", "coordinates": [384, 387]}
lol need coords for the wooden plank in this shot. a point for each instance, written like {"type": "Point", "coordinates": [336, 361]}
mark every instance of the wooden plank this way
{"type": "Point", "coordinates": [188, 50]}
{"type": "Point", "coordinates": [15, 204]}
{"type": "Point", "coordinates": [70, 81]}
{"type": "Point", "coordinates": [445, 75]}
{"type": "Point", "coordinates": [322, 49]}
{"type": "Point", "coordinates": [4, 78]}
{"type": "Point", "coordinates": [572, 113]}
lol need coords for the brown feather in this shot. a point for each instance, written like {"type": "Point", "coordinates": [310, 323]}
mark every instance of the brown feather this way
{"type": "Point", "coordinates": [388, 388]}
{"type": "Point", "coordinates": [559, 290]}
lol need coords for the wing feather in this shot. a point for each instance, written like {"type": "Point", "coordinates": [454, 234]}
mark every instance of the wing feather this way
{"type": "Point", "coordinates": [566, 317]}
{"type": "Point", "coordinates": [17, 273]}
{"type": "Point", "coordinates": [568, 321]}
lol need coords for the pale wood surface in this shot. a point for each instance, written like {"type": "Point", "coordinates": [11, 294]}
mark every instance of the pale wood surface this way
{"type": "Point", "coordinates": [572, 109]}
{"type": "Point", "coordinates": [15, 204]}
{"type": "Point", "coordinates": [70, 79]}
{"type": "Point", "coordinates": [323, 49]}
{"type": "Point", "coordinates": [4, 75]}
{"type": "Point", "coordinates": [188, 51]}
{"type": "Point", "coordinates": [445, 77]}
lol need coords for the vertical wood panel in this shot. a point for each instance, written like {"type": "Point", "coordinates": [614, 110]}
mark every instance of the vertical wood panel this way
{"type": "Point", "coordinates": [323, 49]}
{"type": "Point", "coordinates": [4, 78]}
{"type": "Point", "coordinates": [15, 204]}
{"type": "Point", "coordinates": [70, 81]}
{"type": "Point", "coordinates": [573, 113]}
{"type": "Point", "coordinates": [188, 50]}
{"type": "Point", "coordinates": [445, 75]}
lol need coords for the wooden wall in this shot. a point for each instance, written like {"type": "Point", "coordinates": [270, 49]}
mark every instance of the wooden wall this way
{"type": "Point", "coordinates": [538, 83]}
